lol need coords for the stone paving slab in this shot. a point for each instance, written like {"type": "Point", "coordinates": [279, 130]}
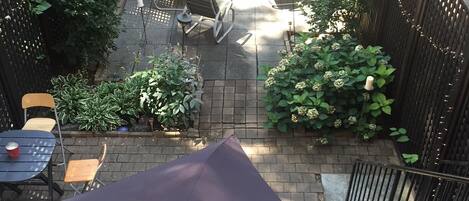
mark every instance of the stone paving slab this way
{"type": "Point", "coordinates": [290, 165]}
{"type": "Point", "coordinates": [256, 38]}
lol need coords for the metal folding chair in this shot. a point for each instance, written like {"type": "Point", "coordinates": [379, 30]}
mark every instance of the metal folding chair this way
{"type": "Point", "coordinates": [32, 100]}
{"type": "Point", "coordinates": [85, 171]}
{"type": "Point", "coordinates": [213, 10]}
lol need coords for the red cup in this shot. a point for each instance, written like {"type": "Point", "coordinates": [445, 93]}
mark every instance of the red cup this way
{"type": "Point", "coordinates": [13, 150]}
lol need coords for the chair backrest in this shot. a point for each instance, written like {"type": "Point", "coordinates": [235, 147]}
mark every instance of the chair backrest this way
{"type": "Point", "coordinates": [37, 100]}
{"type": "Point", "coordinates": [206, 8]}
{"type": "Point", "coordinates": [102, 157]}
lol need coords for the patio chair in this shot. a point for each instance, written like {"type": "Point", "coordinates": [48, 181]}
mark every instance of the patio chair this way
{"type": "Point", "coordinates": [213, 10]}
{"type": "Point", "coordinates": [34, 100]}
{"type": "Point", "coordinates": [84, 171]}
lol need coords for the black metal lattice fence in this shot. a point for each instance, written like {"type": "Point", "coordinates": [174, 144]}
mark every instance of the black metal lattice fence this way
{"type": "Point", "coordinates": [23, 60]}
{"type": "Point", "coordinates": [428, 41]}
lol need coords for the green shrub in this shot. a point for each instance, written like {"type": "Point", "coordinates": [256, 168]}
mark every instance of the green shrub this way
{"type": "Point", "coordinates": [70, 93]}
{"type": "Point", "coordinates": [89, 29]}
{"type": "Point", "coordinates": [321, 85]}
{"type": "Point", "coordinates": [123, 95]}
{"type": "Point", "coordinates": [99, 114]}
{"type": "Point", "coordinates": [333, 15]}
{"type": "Point", "coordinates": [170, 90]}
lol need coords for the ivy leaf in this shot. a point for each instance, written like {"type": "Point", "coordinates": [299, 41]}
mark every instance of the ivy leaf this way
{"type": "Point", "coordinates": [403, 138]}
{"type": "Point", "coordinates": [387, 109]}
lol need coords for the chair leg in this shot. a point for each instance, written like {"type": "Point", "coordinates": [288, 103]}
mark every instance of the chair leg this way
{"type": "Point", "coordinates": [64, 161]}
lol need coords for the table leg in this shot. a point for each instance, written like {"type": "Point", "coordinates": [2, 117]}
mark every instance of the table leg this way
{"type": "Point", "coordinates": [50, 180]}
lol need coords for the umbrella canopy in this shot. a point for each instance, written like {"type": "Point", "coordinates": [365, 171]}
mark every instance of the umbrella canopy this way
{"type": "Point", "coordinates": [219, 172]}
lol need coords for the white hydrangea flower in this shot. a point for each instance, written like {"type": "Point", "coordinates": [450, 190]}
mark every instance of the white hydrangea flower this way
{"type": "Point", "coordinates": [358, 48]}
{"type": "Point", "coordinates": [299, 47]}
{"type": "Point", "coordinates": [325, 37]}
{"type": "Point", "coordinates": [372, 126]}
{"type": "Point", "coordinates": [331, 109]}
{"type": "Point", "coordinates": [8, 17]}
{"type": "Point", "coordinates": [309, 41]}
{"type": "Point", "coordinates": [281, 68]}
{"type": "Point", "coordinates": [317, 87]}
{"type": "Point", "coordinates": [342, 73]}
{"type": "Point", "coordinates": [339, 83]}
{"type": "Point", "coordinates": [328, 75]}
{"type": "Point", "coordinates": [300, 85]}
{"type": "Point", "coordinates": [312, 114]}
{"type": "Point", "coordinates": [269, 81]}
{"type": "Point", "coordinates": [335, 46]}
{"type": "Point", "coordinates": [346, 37]}
{"type": "Point", "coordinates": [294, 118]}
{"type": "Point", "coordinates": [319, 65]}
{"type": "Point", "coordinates": [302, 110]}
{"type": "Point", "coordinates": [352, 120]}
{"type": "Point", "coordinates": [337, 123]}
{"type": "Point", "coordinates": [284, 62]}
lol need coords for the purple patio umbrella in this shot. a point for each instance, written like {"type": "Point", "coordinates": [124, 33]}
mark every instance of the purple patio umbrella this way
{"type": "Point", "coordinates": [219, 172]}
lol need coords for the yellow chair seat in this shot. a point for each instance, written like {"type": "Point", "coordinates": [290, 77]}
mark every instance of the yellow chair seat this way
{"type": "Point", "coordinates": [81, 170]}
{"type": "Point", "coordinates": [42, 124]}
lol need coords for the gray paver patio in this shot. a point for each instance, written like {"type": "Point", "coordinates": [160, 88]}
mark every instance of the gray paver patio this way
{"type": "Point", "coordinates": [254, 41]}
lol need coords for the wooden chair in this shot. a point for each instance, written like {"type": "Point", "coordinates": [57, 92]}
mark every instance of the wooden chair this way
{"type": "Point", "coordinates": [84, 171]}
{"type": "Point", "coordinates": [33, 100]}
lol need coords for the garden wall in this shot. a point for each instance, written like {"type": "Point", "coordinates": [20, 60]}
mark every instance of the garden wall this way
{"type": "Point", "coordinates": [429, 43]}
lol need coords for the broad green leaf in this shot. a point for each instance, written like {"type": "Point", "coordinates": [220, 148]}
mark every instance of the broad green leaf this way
{"type": "Point", "coordinates": [410, 158]}
{"type": "Point", "coordinates": [374, 106]}
{"type": "Point", "coordinates": [375, 113]}
{"type": "Point", "coordinates": [403, 138]}
{"type": "Point", "coordinates": [283, 103]}
{"type": "Point", "coordinates": [402, 131]}
{"type": "Point", "coordinates": [393, 129]}
{"type": "Point", "coordinates": [394, 133]}
{"type": "Point", "coordinates": [372, 61]}
{"type": "Point", "coordinates": [380, 82]}
{"type": "Point", "coordinates": [387, 109]}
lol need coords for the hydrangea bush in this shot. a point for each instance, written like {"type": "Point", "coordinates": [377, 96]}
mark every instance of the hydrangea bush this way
{"type": "Point", "coordinates": [320, 85]}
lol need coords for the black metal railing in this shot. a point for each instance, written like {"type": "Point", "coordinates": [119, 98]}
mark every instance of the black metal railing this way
{"type": "Point", "coordinates": [378, 182]}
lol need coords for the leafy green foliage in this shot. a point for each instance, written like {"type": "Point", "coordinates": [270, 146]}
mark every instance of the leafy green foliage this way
{"type": "Point", "coordinates": [410, 158]}
{"type": "Point", "coordinates": [70, 93]}
{"type": "Point", "coordinates": [321, 85]}
{"type": "Point", "coordinates": [333, 15]}
{"type": "Point", "coordinates": [99, 114]}
{"type": "Point", "coordinates": [170, 90]}
{"type": "Point", "coordinates": [400, 134]}
{"type": "Point", "coordinates": [124, 95]}
{"type": "Point", "coordinates": [89, 29]}
{"type": "Point", "coordinates": [39, 6]}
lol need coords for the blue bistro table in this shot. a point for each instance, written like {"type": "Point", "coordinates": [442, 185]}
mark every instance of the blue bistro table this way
{"type": "Point", "coordinates": [36, 148]}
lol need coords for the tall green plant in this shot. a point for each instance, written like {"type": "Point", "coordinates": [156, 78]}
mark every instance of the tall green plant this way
{"type": "Point", "coordinates": [170, 90]}
{"type": "Point", "coordinates": [333, 15]}
{"type": "Point", "coordinates": [89, 28]}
